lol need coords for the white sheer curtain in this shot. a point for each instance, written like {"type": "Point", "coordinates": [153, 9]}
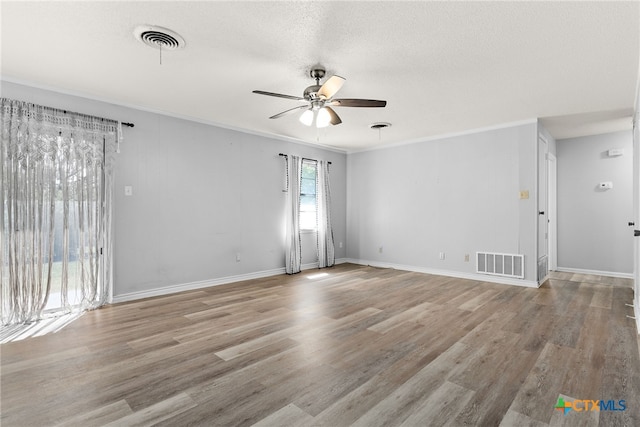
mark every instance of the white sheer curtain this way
{"type": "Point", "coordinates": [293, 252]}
{"type": "Point", "coordinates": [326, 250]}
{"type": "Point", "coordinates": [56, 172]}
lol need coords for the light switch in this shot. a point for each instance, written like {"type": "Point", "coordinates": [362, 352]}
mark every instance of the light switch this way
{"type": "Point", "coordinates": [128, 190]}
{"type": "Point", "coordinates": [524, 194]}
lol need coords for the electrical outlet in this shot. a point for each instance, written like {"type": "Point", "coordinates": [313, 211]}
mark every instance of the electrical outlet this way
{"type": "Point", "coordinates": [441, 256]}
{"type": "Point", "coordinates": [466, 257]}
{"type": "Point", "coordinates": [380, 249]}
{"type": "Point", "coordinates": [238, 257]}
{"type": "Point", "coordinates": [340, 245]}
{"type": "Point", "coordinates": [128, 190]}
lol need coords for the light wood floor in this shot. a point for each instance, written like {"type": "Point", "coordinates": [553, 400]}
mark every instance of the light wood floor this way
{"type": "Point", "coordinates": [348, 345]}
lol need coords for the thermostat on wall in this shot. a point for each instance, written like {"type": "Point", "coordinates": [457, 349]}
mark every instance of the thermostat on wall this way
{"type": "Point", "coordinates": [614, 152]}
{"type": "Point", "coordinates": [606, 185]}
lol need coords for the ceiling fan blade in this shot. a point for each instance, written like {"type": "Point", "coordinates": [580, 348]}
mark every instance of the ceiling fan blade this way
{"type": "Point", "coordinates": [358, 103]}
{"type": "Point", "coordinates": [289, 111]}
{"type": "Point", "coordinates": [279, 95]}
{"type": "Point", "coordinates": [335, 119]}
{"type": "Point", "coordinates": [331, 86]}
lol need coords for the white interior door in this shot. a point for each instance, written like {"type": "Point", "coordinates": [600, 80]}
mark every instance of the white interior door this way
{"type": "Point", "coordinates": [543, 224]}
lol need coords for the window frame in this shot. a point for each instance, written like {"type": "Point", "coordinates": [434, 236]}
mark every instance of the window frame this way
{"type": "Point", "coordinates": [306, 228]}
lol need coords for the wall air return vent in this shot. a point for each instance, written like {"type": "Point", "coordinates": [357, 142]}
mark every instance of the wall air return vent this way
{"type": "Point", "coordinates": [496, 264]}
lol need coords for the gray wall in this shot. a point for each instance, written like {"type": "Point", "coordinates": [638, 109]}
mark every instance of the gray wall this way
{"type": "Point", "coordinates": [592, 223]}
{"type": "Point", "coordinates": [456, 195]}
{"type": "Point", "coordinates": [201, 194]}
{"type": "Point", "coordinates": [204, 193]}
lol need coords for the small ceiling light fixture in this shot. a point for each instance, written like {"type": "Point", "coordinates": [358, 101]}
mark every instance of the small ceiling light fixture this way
{"type": "Point", "coordinates": [159, 38]}
{"type": "Point", "coordinates": [307, 117]}
{"type": "Point", "coordinates": [323, 119]}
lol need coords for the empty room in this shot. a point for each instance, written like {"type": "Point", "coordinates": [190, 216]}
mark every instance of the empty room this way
{"type": "Point", "coordinates": [319, 213]}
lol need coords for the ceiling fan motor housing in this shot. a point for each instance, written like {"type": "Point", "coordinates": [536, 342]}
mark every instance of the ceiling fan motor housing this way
{"type": "Point", "coordinates": [311, 92]}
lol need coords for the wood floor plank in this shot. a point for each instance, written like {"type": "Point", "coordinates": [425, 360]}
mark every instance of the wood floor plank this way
{"type": "Point", "coordinates": [46, 360]}
{"type": "Point", "coordinates": [621, 356]}
{"type": "Point", "coordinates": [160, 411]}
{"type": "Point", "coordinates": [399, 405]}
{"type": "Point", "coordinates": [346, 410]}
{"type": "Point", "coordinates": [493, 398]}
{"type": "Point", "coordinates": [513, 418]}
{"type": "Point", "coordinates": [479, 300]}
{"type": "Point", "coordinates": [487, 362]}
{"type": "Point", "coordinates": [437, 342]}
{"type": "Point", "coordinates": [584, 374]}
{"type": "Point", "coordinates": [347, 345]}
{"type": "Point", "coordinates": [288, 416]}
{"type": "Point", "coordinates": [542, 386]}
{"type": "Point", "coordinates": [482, 333]}
{"type": "Point", "coordinates": [441, 407]}
{"type": "Point", "coordinates": [113, 412]}
{"type": "Point", "coordinates": [602, 297]}
{"type": "Point", "coordinates": [258, 343]}
{"type": "Point", "coordinates": [326, 391]}
{"type": "Point", "coordinates": [223, 400]}
{"type": "Point", "coordinates": [403, 316]}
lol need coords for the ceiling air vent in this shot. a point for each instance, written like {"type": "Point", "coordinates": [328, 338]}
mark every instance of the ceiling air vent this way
{"type": "Point", "coordinates": [379, 125]}
{"type": "Point", "coordinates": [159, 37]}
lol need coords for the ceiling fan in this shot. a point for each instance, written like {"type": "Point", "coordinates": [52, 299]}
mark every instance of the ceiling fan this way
{"type": "Point", "coordinates": [318, 101]}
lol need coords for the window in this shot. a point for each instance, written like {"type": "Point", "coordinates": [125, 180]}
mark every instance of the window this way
{"type": "Point", "coordinates": [308, 196]}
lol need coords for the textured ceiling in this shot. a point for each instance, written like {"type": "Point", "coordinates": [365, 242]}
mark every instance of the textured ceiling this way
{"type": "Point", "coordinates": [443, 67]}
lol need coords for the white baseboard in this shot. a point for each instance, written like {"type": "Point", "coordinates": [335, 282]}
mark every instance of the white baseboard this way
{"type": "Point", "coordinates": [448, 273]}
{"type": "Point", "coordinates": [595, 272]}
{"type": "Point", "coordinates": [166, 290]}
{"type": "Point", "coordinates": [172, 289]}
{"type": "Point", "coordinates": [636, 313]}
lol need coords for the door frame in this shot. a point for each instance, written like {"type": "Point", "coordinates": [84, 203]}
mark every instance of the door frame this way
{"type": "Point", "coordinates": [542, 226]}
{"type": "Point", "coordinates": [636, 214]}
{"type": "Point", "coordinates": [552, 202]}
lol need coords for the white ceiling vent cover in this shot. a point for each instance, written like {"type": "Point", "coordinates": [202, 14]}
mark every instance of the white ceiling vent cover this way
{"type": "Point", "coordinates": [159, 37]}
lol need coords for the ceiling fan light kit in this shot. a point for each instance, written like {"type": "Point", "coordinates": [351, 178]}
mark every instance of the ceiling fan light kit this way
{"type": "Point", "coordinates": [319, 100]}
{"type": "Point", "coordinates": [307, 117]}
{"type": "Point", "coordinates": [323, 118]}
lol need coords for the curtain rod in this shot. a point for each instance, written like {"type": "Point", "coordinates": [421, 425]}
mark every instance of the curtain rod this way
{"type": "Point", "coordinates": [73, 112]}
{"type": "Point", "coordinates": [304, 158]}
{"type": "Point", "coordinates": [82, 114]}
